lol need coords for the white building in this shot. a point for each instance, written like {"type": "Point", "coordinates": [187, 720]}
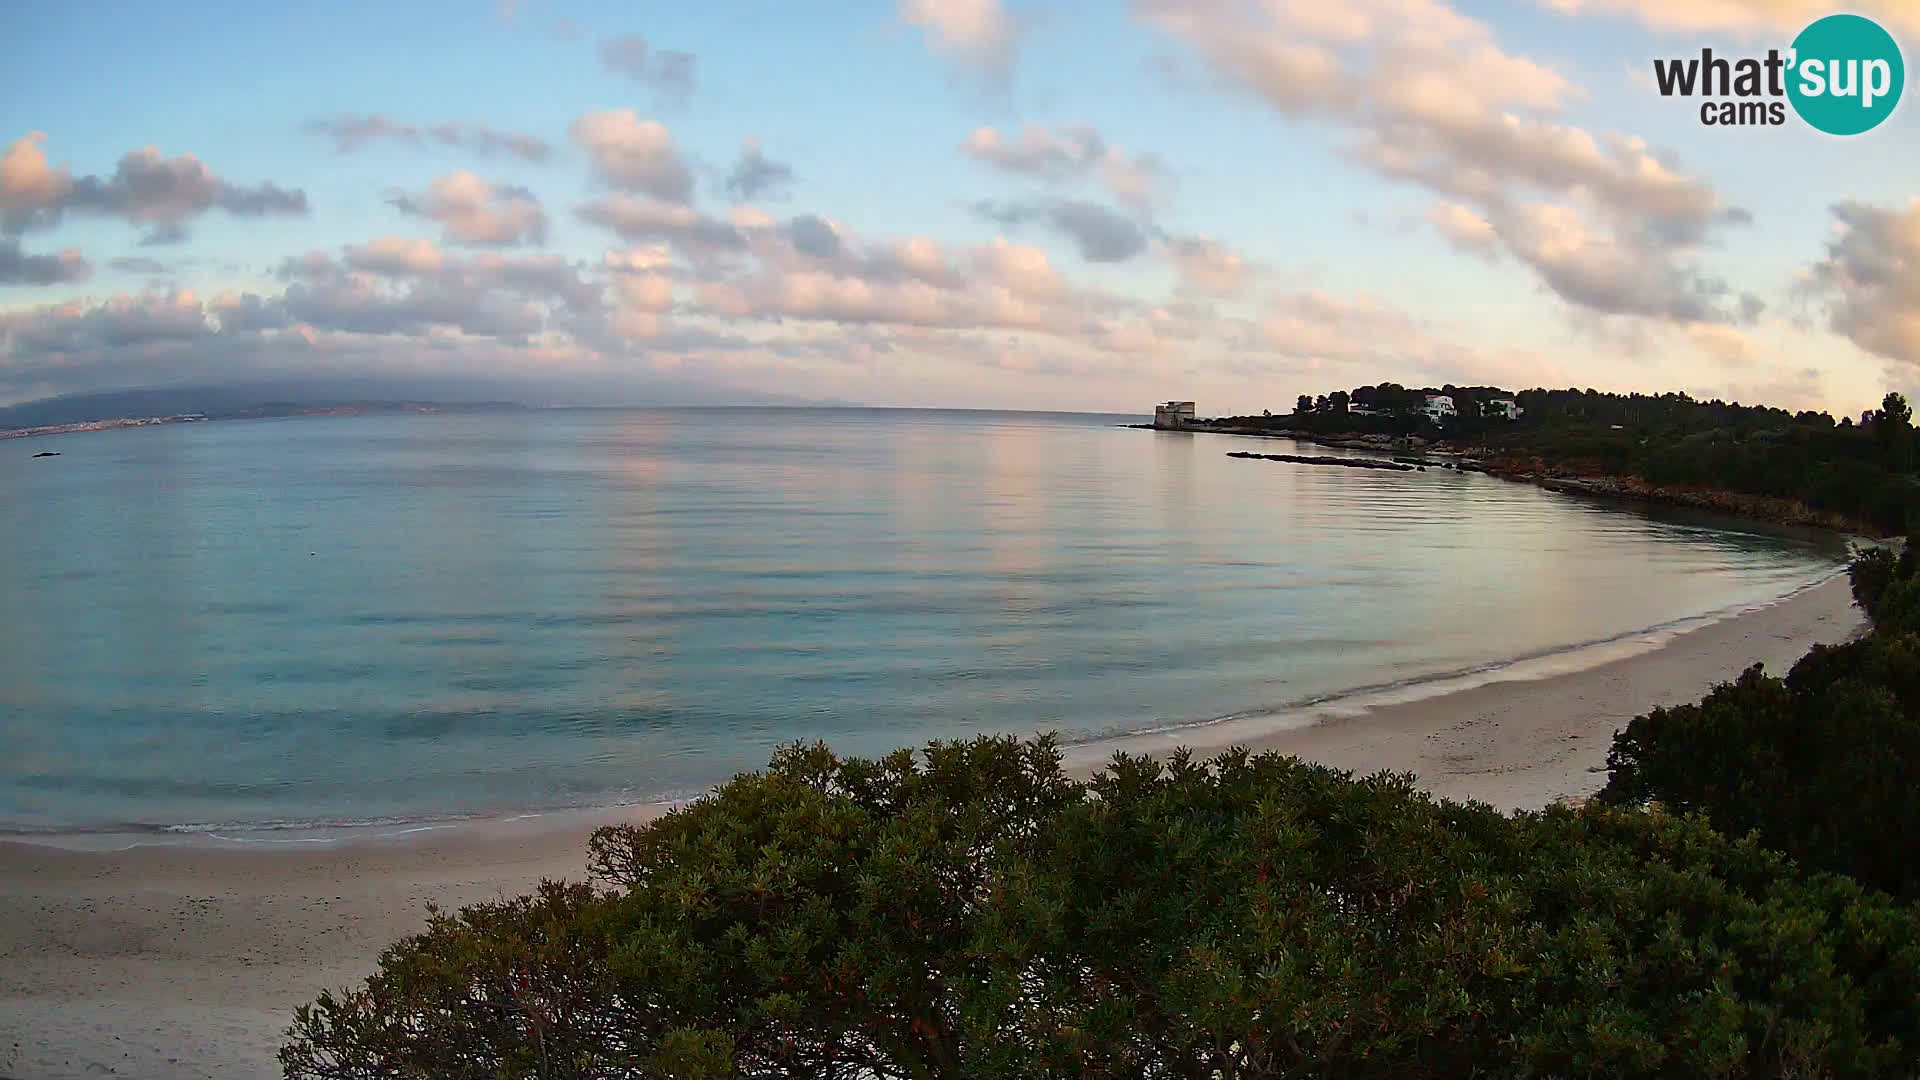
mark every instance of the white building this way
{"type": "Point", "coordinates": [1505, 408]}
{"type": "Point", "coordinates": [1173, 415]}
{"type": "Point", "coordinates": [1438, 407]}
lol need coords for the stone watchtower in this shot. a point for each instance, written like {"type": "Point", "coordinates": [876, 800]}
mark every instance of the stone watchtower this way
{"type": "Point", "coordinates": [1173, 416]}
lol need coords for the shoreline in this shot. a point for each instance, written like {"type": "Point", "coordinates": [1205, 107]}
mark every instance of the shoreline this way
{"type": "Point", "coordinates": [1758, 509]}
{"type": "Point", "coordinates": [1256, 726]}
{"type": "Point", "coordinates": [1523, 736]}
{"type": "Point", "coordinates": [186, 959]}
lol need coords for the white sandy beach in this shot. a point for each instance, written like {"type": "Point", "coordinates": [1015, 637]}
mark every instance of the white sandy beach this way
{"type": "Point", "coordinates": [187, 960]}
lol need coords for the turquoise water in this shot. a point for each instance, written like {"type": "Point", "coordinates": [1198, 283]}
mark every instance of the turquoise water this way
{"type": "Point", "coordinates": [408, 617]}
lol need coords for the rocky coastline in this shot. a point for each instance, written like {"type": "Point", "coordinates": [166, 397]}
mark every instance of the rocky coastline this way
{"type": "Point", "coordinates": [1349, 463]}
{"type": "Point", "coordinates": [1564, 478]}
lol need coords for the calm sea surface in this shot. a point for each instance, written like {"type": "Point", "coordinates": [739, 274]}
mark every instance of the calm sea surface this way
{"type": "Point", "coordinates": [411, 617]}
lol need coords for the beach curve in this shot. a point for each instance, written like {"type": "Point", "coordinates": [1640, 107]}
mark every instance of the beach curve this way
{"type": "Point", "coordinates": [186, 960]}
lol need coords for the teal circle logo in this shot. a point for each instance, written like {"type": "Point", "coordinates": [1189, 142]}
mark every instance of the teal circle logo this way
{"type": "Point", "coordinates": [1847, 75]}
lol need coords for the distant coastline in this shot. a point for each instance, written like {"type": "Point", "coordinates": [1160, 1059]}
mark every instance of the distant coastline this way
{"type": "Point", "coordinates": [98, 420]}
{"type": "Point", "coordinates": [267, 411]}
{"type": "Point", "coordinates": [1564, 478]}
{"type": "Point", "coordinates": [97, 425]}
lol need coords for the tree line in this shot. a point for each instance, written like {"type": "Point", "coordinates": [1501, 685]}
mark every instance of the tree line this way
{"type": "Point", "coordinates": [1860, 468]}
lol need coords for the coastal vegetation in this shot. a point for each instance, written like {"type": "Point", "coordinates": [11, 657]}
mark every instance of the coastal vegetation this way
{"type": "Point", "coordinates": [1804, 466]}
{"type": "Point", "coordinates": [1823, 764]}
{"type": "Point", "coordinates": [973, 911]}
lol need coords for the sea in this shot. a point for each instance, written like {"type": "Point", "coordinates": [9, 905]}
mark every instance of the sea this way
{"type": "Point", "coordinates": [253, 629]}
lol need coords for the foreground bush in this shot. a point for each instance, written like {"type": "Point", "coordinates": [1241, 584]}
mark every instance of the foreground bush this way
{"type": "Point", "coordinates": [1887, 587]}
{"type": "Point", "coordinates": [973, 912]}
{"type": "Point", "coordinates": [1823, 765]}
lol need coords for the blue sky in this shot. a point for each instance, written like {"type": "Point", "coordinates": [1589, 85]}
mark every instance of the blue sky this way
{"type": "Point", "coordinates": [1234, 202]}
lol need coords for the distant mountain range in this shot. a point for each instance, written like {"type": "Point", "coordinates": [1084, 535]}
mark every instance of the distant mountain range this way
{"type": "Point", "coordinates": [214, 403]}
{"type": "Point", "coordinates": [293, 398]}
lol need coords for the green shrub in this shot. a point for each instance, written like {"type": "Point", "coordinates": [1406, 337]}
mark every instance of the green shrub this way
{"type": "Point", "coordinates": [1823, 765]}
{"type": "Point", "coordinates": [1873, 572]}
{"type": "Point", "coordinates": [1887, 587]}
{"type": "Point", "coordinates": [974, 912]}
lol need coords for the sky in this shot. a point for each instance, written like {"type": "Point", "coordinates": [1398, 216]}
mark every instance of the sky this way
{"type": "Point", "coordinates": [947, 203]}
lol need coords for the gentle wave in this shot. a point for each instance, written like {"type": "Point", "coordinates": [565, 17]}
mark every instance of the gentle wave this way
{"type": "Point", "coordinates": [1250, 724]}
{"type": "Point", "coordinates": [1528, 667]}
{"type": "Point", "coordinates": [383, 623]}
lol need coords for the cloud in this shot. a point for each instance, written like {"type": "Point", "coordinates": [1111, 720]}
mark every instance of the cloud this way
{"type": "Point", "coordinates": [977, 32]}
{"type": "Point", "coordinates": [146, 188]}
{"type": "Point", "coordinates": [139, 264]}
{"type": "Point", "coordinates": [81, 327]}
{"type": "Point", "coordinates": [1322, 326]}
{"type": "Point", "coordinates": [1607, 274]}
{"type": "Point", "coordinates": [814, 236]}
{"type": "Point", "coordinates": [814, 244]}
{"type": "Point", "coordinates": [236, 313]}
{"type": "Point", "coordinates": [164, 235]}
{"type": "Point", "coordinates": [649, 258]}
{"type": "Point", "coordinates": [1746, 17]}
{"type": "Point", "coordinates": [1620, 176]}
{"type": "Point", "coordinates": [921, 258]}
{"type": "Point", "coordinates": [804, 291]}
{"type": "Point", "coordinates": [1871, 278]}
{"type": "Point", "coordinates": [700, 238]}
{"type": "Point", "coordinates": [1139, 181]}
{"type": "Point", "coordinates": [1465, 229]}
{"type": "Point", "coordinates": [754, 174]}
{"type": "Point", "coordinates": [634, 154]}
{"type": "Point", "coordinates": [29, 187]}
{"type": "Point", "coordinates": [1725, 345]}
{"type": "Point", "coordinates": [911, 283]}
{"type": "Point", "coordinates": [1022, 270]}
{"type": "Point", "coordinates": [19, 268]}
{"type": "Point", "coordinates": [353, 132]}
{"type": "Point", "coordinates": [1068, 154]}
{"type": "Point", "coordinates": [748, 217]}
{"type": "Point", "coordinates": [396, 256]}
{"type": "Point", "coordinates": [645, 292]}
{"type": "Point", "coordinates": [407, 287]}
{"type": "Point", "coordinates": [1426, 95]}
{"type": "Point", "coordinates": [475, 212]}
{"type": "Point", "coordinates": [1099, 234]}
{"type": "Point", "coordinates": [547, 278]}
{"type": "Point", "coordinates": [753, 295]}
{"type": "Point", "coordinates": [1206, 265]}
{"type": "Point", "coordinates": [328, 319]}
{"type": "Point", "coordinates": [261, 200]}
{"type": "Point", "coordinates": [809, 272]}
{"type": "Point", "coordinates": [362, 305]}
{"type": "Point", "coordinates": [825, 296]}
{"type": "Point", "coordinates": [667, 73]}
{"type": "Point", "coordinates": [1363, 338]}
{"type": "Point", "coordinates": [1038, 151]}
